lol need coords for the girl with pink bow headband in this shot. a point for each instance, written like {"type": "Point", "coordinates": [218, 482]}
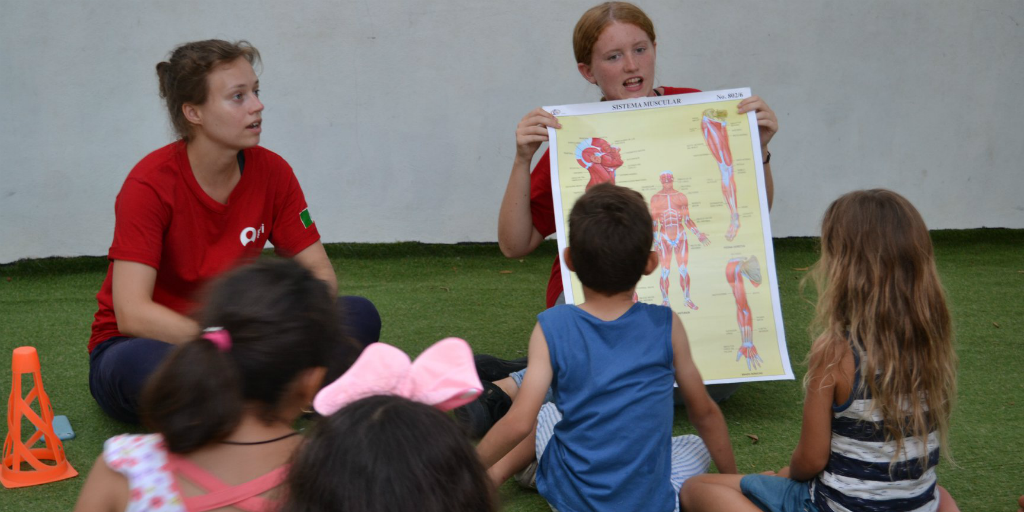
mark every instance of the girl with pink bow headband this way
{"type": "Point", "coordinates": [385, 444]}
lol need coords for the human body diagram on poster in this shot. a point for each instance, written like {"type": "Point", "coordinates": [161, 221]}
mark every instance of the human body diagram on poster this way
{"type": "Point", "coordinates": [697, 166]}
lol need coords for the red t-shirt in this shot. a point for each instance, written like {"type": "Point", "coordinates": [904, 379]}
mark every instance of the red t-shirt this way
{"type": "Point", "coordinates": [164, 219]}
{"type": "Point", "coordinates": [542, 207]}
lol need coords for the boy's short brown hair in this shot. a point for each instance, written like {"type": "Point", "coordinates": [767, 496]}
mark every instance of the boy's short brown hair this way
{"type": "Point", "coordinates": [610, 238]}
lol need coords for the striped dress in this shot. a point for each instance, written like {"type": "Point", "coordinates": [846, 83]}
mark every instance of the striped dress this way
{"type": "Point", "coordinates": [859, 476]}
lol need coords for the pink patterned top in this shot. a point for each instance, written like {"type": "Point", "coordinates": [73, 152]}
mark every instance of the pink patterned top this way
{"type": "Point", "coordinates": [152, 483]}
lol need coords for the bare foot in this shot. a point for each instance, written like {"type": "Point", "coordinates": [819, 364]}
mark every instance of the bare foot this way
{"type": "Point", "coordinates": [689, 303]}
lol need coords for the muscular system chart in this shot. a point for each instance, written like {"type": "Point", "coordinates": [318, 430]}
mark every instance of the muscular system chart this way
{"type": "Point", "coordinates": [600, 159]}
{"type": "Point", "coordinates": [698, 164]}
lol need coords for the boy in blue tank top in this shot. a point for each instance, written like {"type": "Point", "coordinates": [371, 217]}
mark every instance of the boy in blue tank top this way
{"type": "Point", "coordinates": [605, 443]}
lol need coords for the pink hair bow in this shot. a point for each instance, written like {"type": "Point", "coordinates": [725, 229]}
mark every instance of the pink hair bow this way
{"type": "Point", "coordinates": [219, 337]}
{"type": "Point", "coordinates": [443, 376]}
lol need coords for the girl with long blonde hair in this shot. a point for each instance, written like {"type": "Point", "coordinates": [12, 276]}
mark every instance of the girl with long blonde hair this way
{"type": "Point", "coordinates": [881, 378]}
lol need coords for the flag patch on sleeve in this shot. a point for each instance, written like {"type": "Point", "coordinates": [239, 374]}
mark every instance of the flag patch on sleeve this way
{"type": "Point", "coordinates": [307, 221]}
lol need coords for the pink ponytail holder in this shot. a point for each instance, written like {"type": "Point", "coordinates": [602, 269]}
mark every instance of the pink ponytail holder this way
{"type": "Point", "coordinates": [219, 337]}
{"type": "Point", "coordinates": [443, 376]}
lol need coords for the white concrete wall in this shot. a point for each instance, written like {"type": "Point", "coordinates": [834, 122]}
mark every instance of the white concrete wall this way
{"type": "Point", "coordinates": [398, 115]}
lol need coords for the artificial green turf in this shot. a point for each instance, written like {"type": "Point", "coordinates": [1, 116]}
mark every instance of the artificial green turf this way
{"type": "Point", "coordinates": [427, 292]}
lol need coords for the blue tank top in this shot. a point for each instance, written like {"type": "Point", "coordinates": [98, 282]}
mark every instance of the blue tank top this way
{"type": "Point", "coordinates": [612, 382]}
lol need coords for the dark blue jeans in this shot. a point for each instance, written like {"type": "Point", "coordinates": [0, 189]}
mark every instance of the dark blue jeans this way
{"type": "Point", "coordinates": [120, 366]}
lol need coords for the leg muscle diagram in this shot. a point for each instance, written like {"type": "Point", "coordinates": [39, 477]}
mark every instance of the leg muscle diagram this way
{"type": "Point", "coordinates": [670, 211]}
{"type": "Point", "coordinates": [600, 158]}
{"type": "Point", "coordinates": [735, 271]}
{"type": "Point", "coordinates": [713, 125]}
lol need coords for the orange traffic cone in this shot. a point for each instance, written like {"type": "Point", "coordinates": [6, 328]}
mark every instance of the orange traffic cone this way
{"type": "Point", "coordinates": [16, 452]}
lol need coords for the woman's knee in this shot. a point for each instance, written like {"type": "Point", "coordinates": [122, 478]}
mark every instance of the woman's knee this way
{"type": "Point", "coordinates": [118, 373]}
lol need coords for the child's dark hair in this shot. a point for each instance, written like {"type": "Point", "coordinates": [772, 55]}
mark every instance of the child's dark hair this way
{"type": "Point", "coordinates": [280, 319]}
{"type": "Point", "coordinates": [388, 454]}
{"type": "Point", "coordinates": [610, 238]}
{"type": "Point", "coordinates": [183, 76]}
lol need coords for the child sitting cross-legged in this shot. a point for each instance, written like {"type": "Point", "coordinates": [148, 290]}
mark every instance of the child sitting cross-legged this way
{"type": "Point", "coordinates": [605, 443]}
{"type": "Point", "coordinates": [881, 376]}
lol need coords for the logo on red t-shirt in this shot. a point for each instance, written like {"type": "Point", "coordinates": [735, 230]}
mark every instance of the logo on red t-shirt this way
{"type": "Point", "coordinates": [250, 235]}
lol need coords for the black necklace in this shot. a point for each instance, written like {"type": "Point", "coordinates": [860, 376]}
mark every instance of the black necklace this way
{"type": "Point", "coordinates": [266, 441]}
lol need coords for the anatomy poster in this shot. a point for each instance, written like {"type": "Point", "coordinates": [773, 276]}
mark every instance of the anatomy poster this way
{"type": "Point", "coordinates": [697, 162]}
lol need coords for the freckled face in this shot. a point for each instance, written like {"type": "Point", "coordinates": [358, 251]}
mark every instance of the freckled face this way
{"type": "Point", "coordinates": [622, 62]}
{"type": "Point", "coordinates": [232, 113]}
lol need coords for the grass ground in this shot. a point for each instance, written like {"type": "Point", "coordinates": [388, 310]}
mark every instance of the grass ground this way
{"type": "Point", "coordinates": [428, 292]}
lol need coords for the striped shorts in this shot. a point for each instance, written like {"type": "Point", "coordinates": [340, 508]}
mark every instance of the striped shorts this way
{"type": "Point", "coordinates": [690, 457]}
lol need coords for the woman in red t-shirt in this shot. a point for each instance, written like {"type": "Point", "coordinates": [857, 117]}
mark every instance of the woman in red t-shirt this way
{"type": "Point", "coordinates": [192, 210]}
{"type": "Point", "coordinates": [614, 45]}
